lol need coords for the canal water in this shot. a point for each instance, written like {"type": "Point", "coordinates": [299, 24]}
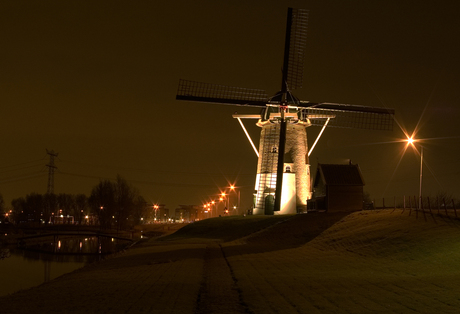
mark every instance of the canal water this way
{"type": "Point", "coordinates": [35, 264]}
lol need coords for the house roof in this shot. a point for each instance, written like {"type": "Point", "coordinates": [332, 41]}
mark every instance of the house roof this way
{"type": "Point", "coordinates": [332, 174]}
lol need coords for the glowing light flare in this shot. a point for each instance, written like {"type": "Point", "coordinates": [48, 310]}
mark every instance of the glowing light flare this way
{"type": "Point", "coordinates": [410, 141]}
{"type": "Point", "coordinates": [397, 166]}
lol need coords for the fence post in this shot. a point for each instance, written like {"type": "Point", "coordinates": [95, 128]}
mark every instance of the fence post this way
{"type": "Point", "coordinates": [423, 209]}
{"type": "Point", "coordinates": [455, 211]}
{"type": "Point", "coordinates": [404, 204]}
{"type": "Point", "coordinates": [445, 207]}
{"type": "Point", "coordinates": [410, 206]}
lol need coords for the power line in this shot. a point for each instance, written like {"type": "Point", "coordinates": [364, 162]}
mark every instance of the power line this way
{"type": "Point", "coordinates": [19, 169]}
{"type": "Point", "coordinates": [22, 178]}
{"type": "Point", "coordinates": [143, 181]}
{"type": "Point", "coordinates": [22, 163]}
{"type": "Point", "coordinates": [149, 170]}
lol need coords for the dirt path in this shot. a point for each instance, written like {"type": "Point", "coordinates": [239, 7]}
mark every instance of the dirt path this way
{"type": "Point", "coordinates": [219, 292]}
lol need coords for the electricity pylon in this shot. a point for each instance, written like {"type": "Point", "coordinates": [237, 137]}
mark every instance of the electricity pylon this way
{"type": "Point", "coordinates": [51, 168]}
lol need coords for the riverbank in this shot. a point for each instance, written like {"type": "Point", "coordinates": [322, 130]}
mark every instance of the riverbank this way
{"type": "Point", "coordinates": [366, 262]}
{"type": "Point", "coordinates": [11, 234]}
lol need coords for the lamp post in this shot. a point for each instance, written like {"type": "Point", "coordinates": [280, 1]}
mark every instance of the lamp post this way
{"type": "Point", "coordinates": [215, 207]}
{"type": "Point", "coordinates": [232, 188]}
{"type": "Point", "coordinates": [155, 208]}
{"type": "Point", "coordinates": [208, 206]}
{"type": "Point", "coordinates": [411, 141]}
{"type": "Point", "coordinates": [421, 177]}
{"type": "Point", "coordinates": [225, 195]}
{"type": "Point", "coordinates": [221, 199]}
{"type": "Point", "coordinates": [206, 210]}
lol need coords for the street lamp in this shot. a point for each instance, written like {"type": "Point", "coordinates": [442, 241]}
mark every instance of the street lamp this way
{"type": "Point", "coordinates": [232, 188]}
{"type": "Point", "coordinates": [221, 199]}
{"type": "Point", "coordinates": [207, 209]}
{"type": "Point", "coordinates": [215, 207]}
{"type": "Point", "coordinates": [411, 141]}
{"type": "Point", "coordinates": [155, 208]}
{"type": "Point", "coordinates": [210, 209]}
{"type": "Point", "coordinates": [223, 196]}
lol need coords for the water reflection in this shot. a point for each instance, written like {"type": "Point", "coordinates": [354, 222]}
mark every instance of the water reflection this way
{"type": "Point", "coordinates": [22, 268]}
{"type": "Point", "coordinates": [78, 245]}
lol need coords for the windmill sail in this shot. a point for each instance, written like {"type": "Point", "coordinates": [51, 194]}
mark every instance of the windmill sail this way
{"type": "Point", "coordinates": [349, 116]}
{"type": "Point", "coordinates": [296, 44]}
{"type": "Point", "coordinates": [221, 94]}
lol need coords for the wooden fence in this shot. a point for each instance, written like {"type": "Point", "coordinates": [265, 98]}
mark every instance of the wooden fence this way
{"type": "Point", "coordinates": [424, 204]}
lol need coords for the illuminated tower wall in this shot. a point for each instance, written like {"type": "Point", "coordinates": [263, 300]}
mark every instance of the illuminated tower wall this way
{"type": "Point", "coordinates": [296, 178]}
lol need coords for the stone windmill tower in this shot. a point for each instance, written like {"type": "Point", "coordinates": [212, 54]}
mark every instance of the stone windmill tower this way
{"type": "Point", "coordinates": [295, 165]}
{"type": "Point", "coordinates": [283, 171]}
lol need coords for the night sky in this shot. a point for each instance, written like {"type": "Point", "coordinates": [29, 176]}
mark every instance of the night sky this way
{"type": "Point", "coordinates": [96, 82]}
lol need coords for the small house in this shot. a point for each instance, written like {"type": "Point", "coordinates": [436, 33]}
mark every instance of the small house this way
{"type": "Point", "coordinates": [338, 187]}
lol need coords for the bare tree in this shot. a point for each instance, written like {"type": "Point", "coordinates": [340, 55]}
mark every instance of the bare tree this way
{"type": "Point", "coordinates": [102, 202]}
{"type": "Point", "coordinates": [66, 204]}
{"type": "Point", "coordinates": [124, 200]}
{"type": "Point", "coordinates": [50, 206]}
{"type": "Point", "coordinates": [2, 205]}
{"type": "Point", "coordinates": [140, 210]}
{"type": "Point", "coordinates": [34, 207]}
{"type": "Point", "coordinates": [81, 203]}
{"type": "Point", "coordinates": [113, 202]}
{"type": "Point", "coordinates": [19, 207]}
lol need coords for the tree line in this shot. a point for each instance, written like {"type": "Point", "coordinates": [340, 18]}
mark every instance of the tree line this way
{"type": "Point", "coordinates": [114, 204]}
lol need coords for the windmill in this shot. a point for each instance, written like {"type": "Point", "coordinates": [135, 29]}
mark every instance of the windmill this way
{"type": "Point", "coordinates": [283, 171]}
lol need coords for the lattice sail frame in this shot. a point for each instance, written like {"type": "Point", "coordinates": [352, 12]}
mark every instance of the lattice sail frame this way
{"type": "Point", "coordinates": [205, 92]}
{"type": "Point", "coordinates": [352, 117]}
{"type": "Point", "coordinates": [297, 48]}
